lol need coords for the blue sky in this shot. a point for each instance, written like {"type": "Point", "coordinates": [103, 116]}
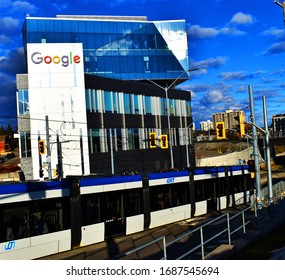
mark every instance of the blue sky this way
{"type": "Point", "coordinates": [235, 43]}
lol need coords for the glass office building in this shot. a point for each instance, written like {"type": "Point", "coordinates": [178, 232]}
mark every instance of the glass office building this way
{"type": "Point", "coordinates": [117, 47]}
{"type": "Point", "coordinates": [128, 63]}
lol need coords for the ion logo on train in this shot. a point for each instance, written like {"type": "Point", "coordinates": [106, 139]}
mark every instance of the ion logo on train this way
{"type": "Point", "coordinates": [9, 245]}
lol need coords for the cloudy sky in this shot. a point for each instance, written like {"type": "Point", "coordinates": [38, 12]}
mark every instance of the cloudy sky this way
{"type": "Point", "coordinates": [234, 43]}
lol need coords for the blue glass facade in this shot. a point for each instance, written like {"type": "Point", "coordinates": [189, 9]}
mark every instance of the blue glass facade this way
{"type": "Point", "coordinates": [121, 58]}
{"type": "Point", "coordinates": [120, 49]}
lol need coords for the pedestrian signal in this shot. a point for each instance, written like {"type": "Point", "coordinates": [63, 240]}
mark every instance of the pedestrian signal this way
{"type": "Point", "coordinates": [220, 130]}
{"type": "Point", "coordinates": [163, 141]}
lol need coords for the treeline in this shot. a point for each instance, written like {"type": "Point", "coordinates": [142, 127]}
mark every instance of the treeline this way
{"type": "Point", "coordinates": [9, 136]}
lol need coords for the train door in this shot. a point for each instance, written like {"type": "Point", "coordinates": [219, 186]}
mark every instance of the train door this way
{"type": "Point", "coordinates": [114, 214]}
{"type": "Point", "coordinates": [210, 192]}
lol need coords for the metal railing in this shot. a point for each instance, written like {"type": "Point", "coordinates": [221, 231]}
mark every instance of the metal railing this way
{"type": "Point", "coordinates": [226, 217]}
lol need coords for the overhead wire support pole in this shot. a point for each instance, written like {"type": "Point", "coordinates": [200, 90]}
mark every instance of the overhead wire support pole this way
{"type": "Point", "coordinates": [255, 150]}
{"type": "Point", "coordinates": [267, 147]}
{"type": "Point", "coordinates": [48, 148]}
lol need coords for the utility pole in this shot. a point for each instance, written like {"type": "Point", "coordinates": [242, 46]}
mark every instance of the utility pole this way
{"type": "Point", "coordinates": [48, 149]}
{"type": "Point", "coordinates": [267, 147]}
{"type": "Point", "coordinates": [255, 150]}
{"type": "Point", "coordinates": [81, 153]}
{"type": "Point", "coordinates": [112, 152]}
{"type": "Point", "coordinates": [59, 158]}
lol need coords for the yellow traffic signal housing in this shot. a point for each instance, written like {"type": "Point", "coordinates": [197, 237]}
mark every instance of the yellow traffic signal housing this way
{"type": "Point", "coordinates": [240, 124]}
{"type": "Point", "coordinates": [220, 130]}
{"type": "Point", "coordinates": [164, 141]}
{"type": "Point", "coordinates": [42, 147]}
{"type": "Point", "coordinates": [152, 140]}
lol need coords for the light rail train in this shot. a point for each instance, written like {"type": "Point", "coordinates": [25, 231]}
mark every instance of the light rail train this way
{"type": "Point", "coordinates": [47, 217]}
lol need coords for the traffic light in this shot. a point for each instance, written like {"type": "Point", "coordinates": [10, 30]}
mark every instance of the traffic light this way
{"type": "Point", "coordinates": [220, 130]}
{"type": "Point", "coordinates": [163, 141]}
{"type": "Point", "coordinates": [42, 147]}
{"type": "Point", "coordinates": [240, 124]}
{"type": "Point", "coordinates": [152, 142]}
{"type": "Point", "coordinates": [251, 165]}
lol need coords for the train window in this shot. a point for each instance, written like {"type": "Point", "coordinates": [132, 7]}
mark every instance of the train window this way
{"type": "Point", "coordinates": [160, 197]}
{"type": "Point", "coordinates": [236, 184]}
{"type": "Point", "coordinates": [199, 190]}
{"type": "Point", "coordinates": [91, 209]}
{"type": "Point", "coordinates": [47, 216]}
{"type": "Point", "coordinates": [134, 203]}
{"type": "Point", "coordinates": [32, 218]}
{"type": "Point", "coordinates": [167, 196]}
{"type": "Point", "coordinates": [205, 189]}
{"type": "Point", "coordinates": [15, 223]}
{"type": "Point", "coordinates": [221, 188]}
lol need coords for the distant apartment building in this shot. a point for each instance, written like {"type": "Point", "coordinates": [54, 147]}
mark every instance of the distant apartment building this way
{"type": "Point", "coordinates": [228, 118]}
{"type": "Point", "coordinates": [206, 125]}
{"type": "Point", "coordinates": [278, 125]}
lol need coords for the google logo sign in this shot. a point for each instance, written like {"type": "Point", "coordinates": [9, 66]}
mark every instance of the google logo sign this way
{"type": "Point", "coordinates": [65, 60]}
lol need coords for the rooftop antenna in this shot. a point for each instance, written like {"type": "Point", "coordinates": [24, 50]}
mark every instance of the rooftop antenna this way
{"type": "Point", "coordinates": [282, 6]}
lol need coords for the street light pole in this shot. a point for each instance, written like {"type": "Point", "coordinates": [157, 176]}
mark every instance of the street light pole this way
{"type": "Point", "coordinates": [168, 112]}
{"type": "Point", "coordinates": [169, 128]}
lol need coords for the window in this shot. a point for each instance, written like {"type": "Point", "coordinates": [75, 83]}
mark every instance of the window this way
{"type": "Point", "coordinates": [23, 102]}
{"type": "Point", "coordinates": [91, 210]}
{"type": "Point", "coordinates": [167, 196]}
{"type": "Point", "coordinates": [94, 141]}
{"type": "Point", "coordinates": [147, 105]}
{"type": "Point", "coordinates": [34, 218]}
{"type": "Point", "coordinates": [127, 103]}
{"type": "Point", "coordinates": [108, 100]}
{"type": "Point", "coordinates": [25, 140]}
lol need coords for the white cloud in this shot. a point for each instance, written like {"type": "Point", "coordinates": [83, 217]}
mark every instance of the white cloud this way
{"type": "Point", "coordinates": [241, 18]}
{"type": "Point", "coordinates": [213, 62]}
{"type": "Point", "coordinates": [196, 31]}
{"type": "Point", "coordinates": [24, 6]}
{"type": "Point", "coordinates": [275, 33]}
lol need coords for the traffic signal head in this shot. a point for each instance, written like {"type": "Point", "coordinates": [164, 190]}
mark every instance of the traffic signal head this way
{"type": "Point", "coordinates": [163, 141]}
{"type": "Point", "coordinates": [240, 124]}
{"type": "Point", "coordinates": [251, 165]}
{"type": "Point", "coordinates": [220, 130]}
{"type": "Point", "coordinates": [152, 138]}
{"type": "Point", "coordinates": [42, 147]}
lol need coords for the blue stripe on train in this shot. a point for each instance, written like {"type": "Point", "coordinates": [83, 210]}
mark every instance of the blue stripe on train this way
{"type": "Point", "coordinates": [27, 187]}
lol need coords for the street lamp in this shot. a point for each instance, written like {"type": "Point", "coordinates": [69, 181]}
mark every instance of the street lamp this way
{"type": "Point", "coordinates": [166, 88]}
